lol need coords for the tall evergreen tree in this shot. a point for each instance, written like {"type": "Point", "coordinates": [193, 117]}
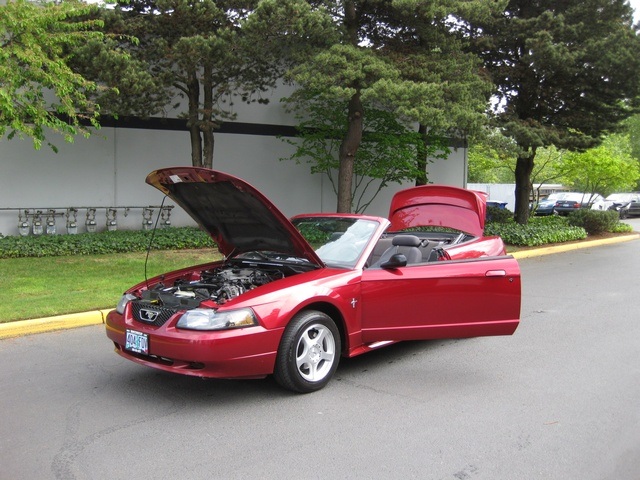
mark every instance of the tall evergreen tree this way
{"type": "Point", "coordinates": [405, 56]}
{"type": "Point", "coordinates": [209, 52]}
{"type": "Point", "coordinates": [566, 72]}
{"type": "Point", "coordinates": [428, 43]}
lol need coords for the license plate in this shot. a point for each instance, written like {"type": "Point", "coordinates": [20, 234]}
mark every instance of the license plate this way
{"type": "Point", "coordinates": [137, 342]}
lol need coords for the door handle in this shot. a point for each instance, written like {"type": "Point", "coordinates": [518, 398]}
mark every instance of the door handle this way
{"type": "Point", "coordinates": [495, 273]}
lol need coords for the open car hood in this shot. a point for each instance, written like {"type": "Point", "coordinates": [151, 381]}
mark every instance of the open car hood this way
{"type": "Point", "coordinates": [439, 205]}
{"type": "Point", "coordinates": [236, 215]}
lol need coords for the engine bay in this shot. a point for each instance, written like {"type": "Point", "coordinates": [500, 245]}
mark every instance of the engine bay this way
{"type": "Point", "coordinates": [219, 284]}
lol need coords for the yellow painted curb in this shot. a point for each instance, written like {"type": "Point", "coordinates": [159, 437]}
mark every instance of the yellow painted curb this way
{"type": "Point", "coordinates": [60, 322]}
{"type": "Point", "coordinates": [573, 246]}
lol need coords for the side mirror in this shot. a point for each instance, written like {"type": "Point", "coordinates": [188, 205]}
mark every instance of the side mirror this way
{"type": "Point", "coordinates": [397, 260]}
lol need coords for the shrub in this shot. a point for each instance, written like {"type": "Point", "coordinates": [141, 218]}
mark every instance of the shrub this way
{"type": "Point", "coordinates": [549, 220]}
{"type": "Point", "coordinates": [539, 231]}
{"type": "Point", "coordinates": [536, 233]}
{"type": "Point", "coordinates": [499, 215]}
{"type": "Point", "coordinates": [622, 228]}
{"type": "Point", "coordinates": [105, 242]}
{"type": "Point", "coordinates": [594, 221]}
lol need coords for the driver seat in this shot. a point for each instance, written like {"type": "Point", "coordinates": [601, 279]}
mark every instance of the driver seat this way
{"type": "Point", "coordinates": [407, 245]}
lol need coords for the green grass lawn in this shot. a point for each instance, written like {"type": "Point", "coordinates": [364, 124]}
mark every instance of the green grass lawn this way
{"type": "Point", "coordinates": [42, 287]}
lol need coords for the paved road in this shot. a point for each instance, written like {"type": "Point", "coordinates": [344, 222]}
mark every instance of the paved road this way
{"type": "Point", "coordinates": [558, 400]}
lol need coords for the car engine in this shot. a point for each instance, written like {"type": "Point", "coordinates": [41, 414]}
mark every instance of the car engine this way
{"type": "Point", "coordinates": [219, 284]}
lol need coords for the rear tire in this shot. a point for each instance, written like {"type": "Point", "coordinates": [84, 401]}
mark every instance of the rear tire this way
{"type": "Point", "coordinates": [309, 352]}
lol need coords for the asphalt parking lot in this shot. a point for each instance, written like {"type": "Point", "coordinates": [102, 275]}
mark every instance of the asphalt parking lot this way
{"type": "Point", "coordinates": [556, 400]}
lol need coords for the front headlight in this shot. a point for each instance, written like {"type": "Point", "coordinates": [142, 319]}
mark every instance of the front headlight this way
{"type": "Point", "coordinates": [126, 298]}
{"type": "Point", "coordinates": [209, 319]}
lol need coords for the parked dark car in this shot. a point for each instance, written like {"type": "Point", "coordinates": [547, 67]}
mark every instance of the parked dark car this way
{"type": "Point", "coordinates": [546, 206]}
{"type": "Point", "coordinates": [634, 206]}
{"type": "Point", "coordinates": [572, 201]}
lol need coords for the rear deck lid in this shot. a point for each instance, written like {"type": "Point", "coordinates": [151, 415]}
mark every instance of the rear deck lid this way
{"type": "Point", "coordinates": [439, 206]}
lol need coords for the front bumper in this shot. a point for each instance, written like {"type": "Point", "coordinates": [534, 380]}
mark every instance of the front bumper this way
{"type": "Point", "coordinates": [240, 353]}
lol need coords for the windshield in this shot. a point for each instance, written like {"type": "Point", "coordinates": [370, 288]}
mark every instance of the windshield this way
{"type": "Point", "coordinates": [338, 241]}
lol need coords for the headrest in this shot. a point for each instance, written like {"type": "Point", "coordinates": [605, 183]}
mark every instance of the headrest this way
{"type": "Point", "coordinates": [405, 241]}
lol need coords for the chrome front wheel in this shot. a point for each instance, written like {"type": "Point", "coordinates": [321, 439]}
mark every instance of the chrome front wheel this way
{"type": "Point", "coordinates": [309, 352]}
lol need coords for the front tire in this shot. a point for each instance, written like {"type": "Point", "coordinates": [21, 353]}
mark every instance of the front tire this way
{"type": "Point", "coordinates": [309, 352]}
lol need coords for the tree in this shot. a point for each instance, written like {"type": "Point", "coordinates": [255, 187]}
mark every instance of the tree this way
{"type": "Point", "coordinates": [604, 169]}
{"type": "Point", "coordinates": [211, 53]}
{"type": "Point", "coordinates": [426, 41]}
{"type": "Point", "coordinates": [632, 127]}
{"type": "Point", "coordinates": [565, 74]}
{"type": "Point", "coordinates": [38, 89]}
{"type": "Point", "coordinates": [386, 155]}
{"type": "Point", "coordinates": [401, 56]}
{"type": "Point", "coordinates": [491, 158]}
{"type": "Point", "coordinates": [545, 169]}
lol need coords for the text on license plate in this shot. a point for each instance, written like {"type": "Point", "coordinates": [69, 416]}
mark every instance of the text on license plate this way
{"type": "Point", "coordinates": [137, 342]}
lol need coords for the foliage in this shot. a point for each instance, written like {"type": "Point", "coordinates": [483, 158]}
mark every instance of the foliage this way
{"type": "Point", "coordinates": [545, 170]}
{"type": "Point", "coordinates": [104, 242]}
{"type": "Point", "coordinates": [549, 220]}
{"type": "Point", "coordinates": [386, 155]}
{"type": "Point", "coordinates": [499, 215]}
{"type": "Point", "coordinates": [130, 88]}
{"type": "Point", "coordinates": [38, 89]}
{"type": "Point", "coordinates": [622, 227]}
{"type": "Point", "coordinates": [556, 229]}
{"type": "Point", "coordinates": [605, 169]}
{"type": "Point", "coordinates": [492, 158]}
{"type": "Point", "coordinates": [594, 221]}
{"type": "Point", "coordinates": [210, 52]}
{"type": "Point", "coordinates": [632, 128]}
{"type": "Point", "coordinates": [404, 57]}
{"type": "Point", "coordinates": [534, 234]}
{"type": "Point", "coordinates": [563, 74]}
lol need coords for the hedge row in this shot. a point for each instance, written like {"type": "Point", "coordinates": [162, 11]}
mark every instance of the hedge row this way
{"type": "Point", "coordinates": [539, 231]}
{"type": "Point", "coordinates": [105, 242]}
{"type": "Point", "coordinates": [534, 234]}
{"type": "Point", "coordinates": [553, 228]}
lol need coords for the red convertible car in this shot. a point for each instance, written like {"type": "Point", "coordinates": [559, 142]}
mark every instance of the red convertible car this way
{"type": "Point", "coordinates": [293, 296]}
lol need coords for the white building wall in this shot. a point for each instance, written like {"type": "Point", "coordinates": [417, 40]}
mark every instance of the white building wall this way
{"type": "Point", "coordinates": [452, 171]}
{"type": "Point", "coordinates": [498, 192]}
{"type": "Point", "coordinates": [108, 170]}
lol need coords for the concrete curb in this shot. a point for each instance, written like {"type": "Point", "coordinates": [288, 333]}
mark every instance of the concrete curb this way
{"type": "Point", "coordinates": [74, 320]}
{"type": "Point", "coordinates": [60, 322]}
{"type": "Point", "coordinates": [537, 252]}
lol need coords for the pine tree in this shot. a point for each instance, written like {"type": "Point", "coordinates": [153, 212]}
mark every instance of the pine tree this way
{"type": "Point", "coordinates": [566, 73]}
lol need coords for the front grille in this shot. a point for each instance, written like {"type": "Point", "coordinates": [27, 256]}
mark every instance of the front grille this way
{"type": "Point", "coordinates": [151, 314]}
